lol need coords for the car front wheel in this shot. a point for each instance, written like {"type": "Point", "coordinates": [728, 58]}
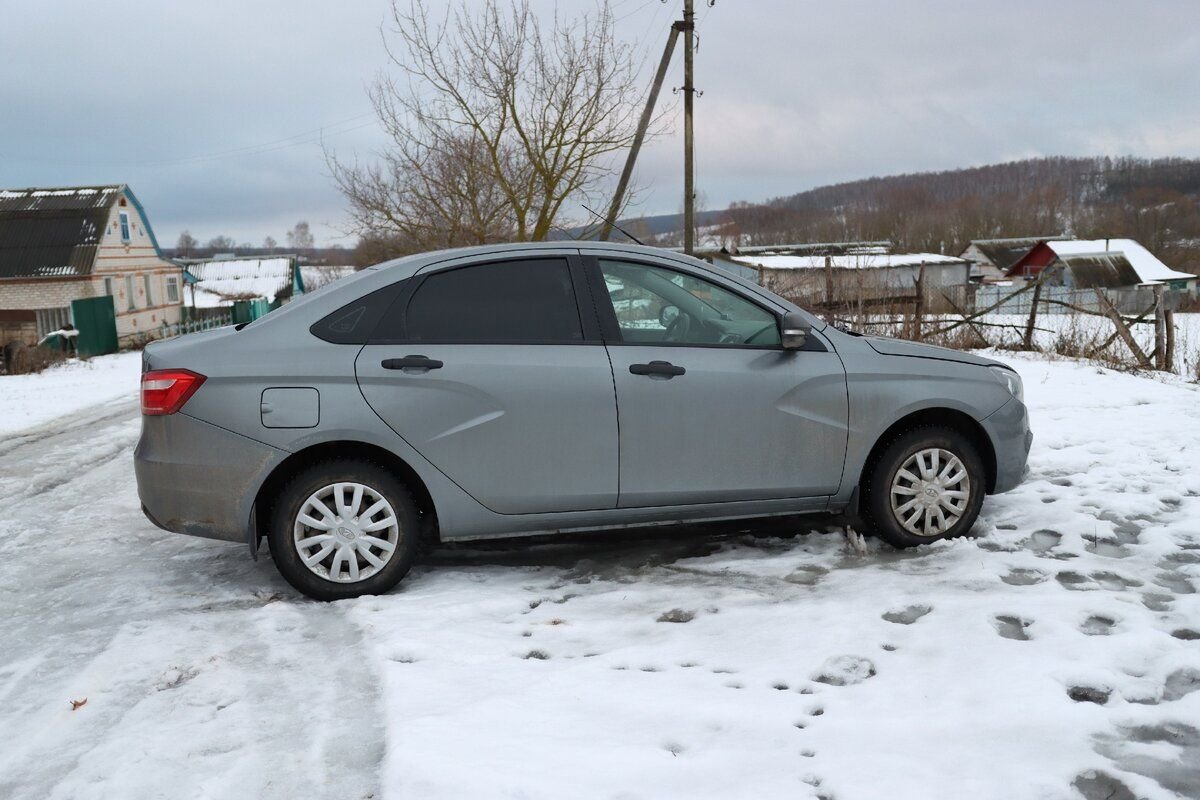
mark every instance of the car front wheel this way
{"type": "Point", "coordinates": [344, 529]}
{"type": "Point", "coordinates": [927, 484]}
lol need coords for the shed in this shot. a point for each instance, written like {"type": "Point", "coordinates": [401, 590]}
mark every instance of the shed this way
{"type": "Point", "coordinates": [991, 259]}
{"type": "Point", "coordinates": [1099, 263]}
{"type": "Point", "coordinates": [868, 277]}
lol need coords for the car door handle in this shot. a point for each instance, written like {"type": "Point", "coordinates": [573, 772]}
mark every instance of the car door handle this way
{"type": "Point", "coordinates": [411, 362]}
{"type": "Point", "coordinates": [663, 369]}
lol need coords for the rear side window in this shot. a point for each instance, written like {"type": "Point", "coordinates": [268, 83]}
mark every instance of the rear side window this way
{"type": "Point", "coordinates": [354, 322]}
{"type": "Point", "coordinates": [530, 301]}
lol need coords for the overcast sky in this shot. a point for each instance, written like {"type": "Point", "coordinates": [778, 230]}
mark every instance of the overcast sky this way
{"type": "Point", "coordinates": [213, 111]}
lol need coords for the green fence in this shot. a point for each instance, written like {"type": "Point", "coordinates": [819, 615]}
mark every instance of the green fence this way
{"type": "Point", "coordinates": [249, 310]}
{"type": "Point", "coordinates": [97, 325]}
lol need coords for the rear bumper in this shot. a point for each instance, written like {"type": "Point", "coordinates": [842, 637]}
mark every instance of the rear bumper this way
{"type": "Point", "coordinates": [1011, 439]}
{"type": "Point", "coordinates": [199, 479]}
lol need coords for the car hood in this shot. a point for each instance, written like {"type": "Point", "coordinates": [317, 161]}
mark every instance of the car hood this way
{"type": "Point", "coordinates": [901, 347]}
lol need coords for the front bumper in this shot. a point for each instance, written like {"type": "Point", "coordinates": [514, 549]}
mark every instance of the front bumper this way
{"type": "Point", "coordinates": [199, 479]}
{"type": "Point", "coordinates": [1011, 438]}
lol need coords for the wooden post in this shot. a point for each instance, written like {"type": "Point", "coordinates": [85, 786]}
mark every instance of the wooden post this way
{"type": "Point", "coordinates": [1027, 342]}
{"type": "Point", "coordinates": [1160, 328]}
{"type": "Point", "coordinates": [689, 150]}
{"type": "Point", "coordinates": [1169, 323]}
{"type": "Point", "coordinates": [614, 210]}
{"type": "Point", "coordinates": [919, 308]}
{"type": "Point", "coordinates": [829, 313]}
{"type": "Point", "coordinates": [1111, 312]}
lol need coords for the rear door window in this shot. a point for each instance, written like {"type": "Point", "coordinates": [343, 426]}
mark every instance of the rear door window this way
{"type": "Point", "coordinates": [528, 301]}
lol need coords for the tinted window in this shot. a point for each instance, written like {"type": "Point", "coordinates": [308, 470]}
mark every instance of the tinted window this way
{"type": "Point", "coordinates": [660, 306]}
{"type": "Point", "coordinates": [508, 301]}
{"type": "Point", "coordinates": [354, 322]}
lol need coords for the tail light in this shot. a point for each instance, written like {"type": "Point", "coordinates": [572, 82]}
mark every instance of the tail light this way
{"type": "Point", "coordinates": [164, 391]}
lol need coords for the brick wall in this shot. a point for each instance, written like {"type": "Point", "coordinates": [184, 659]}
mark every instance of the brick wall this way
{"type": "Point", "coordinates": [42, 293]}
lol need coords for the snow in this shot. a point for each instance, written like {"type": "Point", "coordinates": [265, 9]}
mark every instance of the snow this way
{"type": "Point", "coordinates": [67, 389]}
{"type": "Point", "coordinates": [692, 665]}
{"type": "Point", "coordinates": [853, 261]}
{"type": "Point", "coordinates": [1147, 266]}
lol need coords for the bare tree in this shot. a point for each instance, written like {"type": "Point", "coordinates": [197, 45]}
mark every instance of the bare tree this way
{"type": "Point", "coordinates": [221, 243]}
{"type": "Point", "coordinates": [300, 238]}
{"type": "Point", "coordinates": [496, 123]}
{"type": "Point", "coordinates": [186, 244]}
{"type": "Point", "coordinates": [269, 243]}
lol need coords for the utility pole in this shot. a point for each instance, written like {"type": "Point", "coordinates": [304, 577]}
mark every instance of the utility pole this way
{"type": "Point", "coordinates": [643, 124]}
{"type": "Point", "coordinates": [689, 167]}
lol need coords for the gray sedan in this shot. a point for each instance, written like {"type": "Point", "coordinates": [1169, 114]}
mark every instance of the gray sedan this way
{"type": "Point", "coordinates": [511, 390]}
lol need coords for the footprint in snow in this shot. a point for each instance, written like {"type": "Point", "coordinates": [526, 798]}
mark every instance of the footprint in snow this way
{"type": "Point", "coordinates": [1097, 625]}
{"type": "Point", "coordinates": [1186, 634]}
{"type": "Point", "coordinates": [1107, 548]}
{"type": "Point", "coordinates": [1044, 540]}
{"type": "Point", "coordinates": [845, 671]}
{"type": "Point", "coordinates": [1089, 694]}
{"type": "Point", "coordinates": [1098, 785]}
{"type": "Point", "coordinates": [1157, 602]}
{"type": "Point", "coordinates": [1020, 576]}
{"type": "Point", "coordinates": [907, 616]}
{"type": "Point", "coordinates": [1012, 627]}
{"type": "Point", "coordinates": [1181, 683]}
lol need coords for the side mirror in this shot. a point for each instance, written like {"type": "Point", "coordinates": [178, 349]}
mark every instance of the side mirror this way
{"type": "Point", "coordinates": [793, 331]}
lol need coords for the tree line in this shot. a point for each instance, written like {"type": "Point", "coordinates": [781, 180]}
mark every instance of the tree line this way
{"type": "Point", "coordinates": [1156, 201]}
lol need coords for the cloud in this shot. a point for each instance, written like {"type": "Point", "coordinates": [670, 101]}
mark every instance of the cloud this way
{"type": "Point", "coordinates": [209, 109]}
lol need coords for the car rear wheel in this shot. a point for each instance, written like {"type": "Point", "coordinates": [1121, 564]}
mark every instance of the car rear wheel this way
{"type": "Point", "coordinates": [927, 484]}
{"type": "Point", "coordinates": [344, 529]}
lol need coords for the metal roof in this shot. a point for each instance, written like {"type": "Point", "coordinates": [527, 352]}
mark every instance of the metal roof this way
{"type": "Point", "coordinates": [1006, 252]}
{"type": "Point", "coordinates": [1100, 270]}
{"type": "Point", "coordinates": [49, 233]}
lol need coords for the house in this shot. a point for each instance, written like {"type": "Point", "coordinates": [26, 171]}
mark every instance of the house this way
{"type": "Point", "coordinates": [64, 244]}
{"type": "Point", "coordinates": [991, 259]}
{"type": "Point", "coordinates": [849, 274]}
{"type": "Point", "coordinates": [221, 281]}
{"type": "Point", "coordinates": [1098, 264]}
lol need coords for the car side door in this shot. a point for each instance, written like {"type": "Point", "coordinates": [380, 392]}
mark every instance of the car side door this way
{"type": "Point", "coordinates": [491, 372]}
{"type": "Point", "coordinates": [711, 407]}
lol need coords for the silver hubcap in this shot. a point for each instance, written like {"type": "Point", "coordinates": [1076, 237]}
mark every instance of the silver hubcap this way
{"type": "Point", "coordinates": [346, 532]}
{"type": "Point", "coordinates": [930, 492]}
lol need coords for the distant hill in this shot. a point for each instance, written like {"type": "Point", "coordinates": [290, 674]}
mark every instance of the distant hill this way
{"type": "Point", "coordinates": [1156, 201]}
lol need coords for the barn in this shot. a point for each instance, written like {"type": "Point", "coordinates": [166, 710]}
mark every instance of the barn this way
{"type": "Point", "coordinates": [1098, 264]}
{"type": "Point", "coordinates": [991, 259]}
{"type": "Point", "coordinates": [58, 245]}
{"type": "Point", "coordinates": [849, 274]}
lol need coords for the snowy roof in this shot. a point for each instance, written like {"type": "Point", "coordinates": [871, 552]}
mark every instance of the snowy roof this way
{"type": "Point", "coordinates": [852, 261]}
{"type": "Point", "coordinates": [1148, 268]}
{"type": "Point", "coordinates": [220, 282]}
{"type": "Point", "coordinates": [46, 233]}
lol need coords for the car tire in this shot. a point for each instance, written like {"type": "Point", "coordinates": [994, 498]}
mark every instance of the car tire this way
{"type": "Point", "coordinates": [363, 544]}
{"type": "Point", "coordinates": [912, 492]}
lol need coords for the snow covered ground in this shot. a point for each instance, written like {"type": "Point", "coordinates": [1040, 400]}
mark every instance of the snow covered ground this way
{"type": "Point", "coordinates": [66, 389]}
{"type": "Point", "coordinates": [1055, 654]}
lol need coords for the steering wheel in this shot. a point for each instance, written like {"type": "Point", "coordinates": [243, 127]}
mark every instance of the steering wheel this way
{"type": "Point", "coordinates": [752, 337]}
{"type": "Point", "coordinates": [679, 328]}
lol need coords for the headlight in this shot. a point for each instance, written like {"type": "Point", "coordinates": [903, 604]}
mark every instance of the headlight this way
{"type": "Point", "coordinates": [1012, 380]}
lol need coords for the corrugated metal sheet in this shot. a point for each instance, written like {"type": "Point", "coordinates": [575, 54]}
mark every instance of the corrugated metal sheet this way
{"type": "Point", "coordinates": [1006, 252]}
{"type": "Point", "coordinates": [1100, 270]}
{"type": "Point", "coordinates": [46, 233]}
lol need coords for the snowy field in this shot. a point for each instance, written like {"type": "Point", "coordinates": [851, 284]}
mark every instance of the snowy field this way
{"type": "Point", "coordinates": [62, 391]}
{"type": "Point", "coordinates": [1055, 654]}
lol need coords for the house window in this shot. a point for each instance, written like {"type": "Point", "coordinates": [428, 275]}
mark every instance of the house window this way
{"type": "Point", "coordinates": [149, 295]}
{"type": "Point", "coordinates": [124, 215]}
{"type": "Point", "coordinates": [172, 289]}
{"type": "Point", "coordinates": [129, 292]}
